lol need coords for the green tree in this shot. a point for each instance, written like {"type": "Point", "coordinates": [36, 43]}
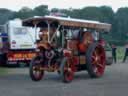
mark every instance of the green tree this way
{"type": "Point", "coordinates": [121, 23]}
{"type": "Point", "coordinates": [24, 12]}
{"type": "Point", "coordinates": [107, 14]}
{"type": "Point", "coordinates": [54, 10]}
{"type": "Point", "coordinates": [91, 13]}
{"type": "Point", "coordinates": [108, 17]}
{"type": "Point", "coordinates": [41, 10]}
{"type": "Point", "coordinates": [5, 15]}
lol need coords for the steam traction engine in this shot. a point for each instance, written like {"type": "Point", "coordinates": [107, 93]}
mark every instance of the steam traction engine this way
{"type": "Point", "coordinates": [67, 46]}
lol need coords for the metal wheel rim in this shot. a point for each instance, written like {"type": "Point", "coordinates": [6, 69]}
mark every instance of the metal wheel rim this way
{"type": "Point", "coordinates": [68, 72]}
{"type": "Point", "coordinates": [36, 69]}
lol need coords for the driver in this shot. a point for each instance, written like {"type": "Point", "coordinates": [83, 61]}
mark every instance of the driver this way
{"type": "Point", "coordinates": [43, 35]}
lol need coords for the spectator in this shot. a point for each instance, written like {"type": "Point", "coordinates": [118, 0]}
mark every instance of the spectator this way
{"type": "Point", "coordinates": [126, 53]}
{"type": "Point", "coordinates": [114, 52]}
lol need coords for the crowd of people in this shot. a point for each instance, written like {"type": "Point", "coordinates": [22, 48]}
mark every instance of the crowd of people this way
{"type": "Point", "coordinates": [114, 53]}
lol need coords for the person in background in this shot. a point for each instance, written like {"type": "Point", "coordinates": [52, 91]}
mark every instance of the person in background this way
{"type": "Point", "coordinates": [4, 45]}
{"type": "Point", "coordinates": [126, 53]}
{"type": "Point", "coordinates": [114, 52]}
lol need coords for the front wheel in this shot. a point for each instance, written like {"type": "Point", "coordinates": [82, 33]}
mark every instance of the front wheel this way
{"type": "Point", "coordinates": [35, 71]}
{"type": "Point", "coordinates": [66, 70]}
{"type": "Point", "coordinates": [95, 58]}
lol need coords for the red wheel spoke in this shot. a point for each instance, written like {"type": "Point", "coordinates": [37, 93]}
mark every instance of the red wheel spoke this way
{"type": "Point", "coordinates": [102, 56]}
{"type": "Point", "coordinates": [94, 62]}
{"type": "Point", "coordinates": [95, 54]}
{"type": "Point", "coordinates": [93, 57]}
{"type": "Point", "coordinates": [100, 65]}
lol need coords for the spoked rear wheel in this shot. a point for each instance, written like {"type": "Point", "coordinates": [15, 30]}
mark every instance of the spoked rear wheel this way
{"type": "Point", "coordinates": [35, 71]}
{"type": "Point", "coordinates": [66, 71]}
{"type": "Point", "coordinates": [95, 60]}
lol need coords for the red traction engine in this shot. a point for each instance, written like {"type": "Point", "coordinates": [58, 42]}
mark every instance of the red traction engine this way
{"type": "Point", "coordinates": [66, 47]}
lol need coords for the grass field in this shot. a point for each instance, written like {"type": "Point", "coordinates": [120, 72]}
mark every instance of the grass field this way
{"type": "Point", "coordinates": [120, 53]}
{"type": "Point", "coordinates": [3, 71]}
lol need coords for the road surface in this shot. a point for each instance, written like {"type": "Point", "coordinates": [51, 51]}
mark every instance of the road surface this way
{"type": "Point", "coordinates": [114, 83]}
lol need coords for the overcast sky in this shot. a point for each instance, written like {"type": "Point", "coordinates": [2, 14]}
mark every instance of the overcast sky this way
{"type": "Point", "coordinates": [18, 4]}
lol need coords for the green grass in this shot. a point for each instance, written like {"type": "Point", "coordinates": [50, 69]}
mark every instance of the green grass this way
{"type": "Point", "coordinates": [3, 71]}
{"type": "Point", "coordinates": [120, 53]}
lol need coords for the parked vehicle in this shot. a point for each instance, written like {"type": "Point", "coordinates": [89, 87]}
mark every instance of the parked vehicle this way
{"type": "Point", "coordinates": [109, 58]}
{"type": "Point", "coordinates": [17, 43]}
{"type": "Point", "coordinates": [67, 46]}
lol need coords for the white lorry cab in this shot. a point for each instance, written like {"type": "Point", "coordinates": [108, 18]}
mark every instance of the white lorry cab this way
{"type": "Point", "coordinates": [17, 43]}
{"type": "Point", "coordinates": [20, 37]}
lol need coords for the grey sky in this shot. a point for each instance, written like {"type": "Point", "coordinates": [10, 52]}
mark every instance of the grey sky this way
{"type": "Point", "coordinates": [18, 4]}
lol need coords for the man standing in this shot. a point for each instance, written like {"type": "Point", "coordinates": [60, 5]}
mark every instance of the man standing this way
{"type": "Point", "coordinates": [4, 45]}
{"type": "Point", "coordinates": [114, 52]}
{"type": "Point", "coordinates": [126, 53]}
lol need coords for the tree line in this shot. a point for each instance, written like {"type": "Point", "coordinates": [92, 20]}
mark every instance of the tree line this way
{"type": "Point", "coordinates": [119, 19]}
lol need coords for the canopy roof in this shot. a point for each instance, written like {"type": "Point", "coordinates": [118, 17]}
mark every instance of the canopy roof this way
{"type": "Point", "coordinates": [70, 22]}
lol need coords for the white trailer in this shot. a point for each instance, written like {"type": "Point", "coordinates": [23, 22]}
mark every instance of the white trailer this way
{"type": "Point", "coordinates": [18, 45]}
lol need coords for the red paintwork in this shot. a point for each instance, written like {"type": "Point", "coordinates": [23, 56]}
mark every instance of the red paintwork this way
{"type": "Point", "coordinates": [67, 53]}
{"type": "Point", "coordinates": [82, 47]}
{"type": "Point", "coordinates": [69, 69]}
{"type": "Point", "coordinates": [98, 60]}
{"type": "Point", "coordinates": [69, 75]}
{"type": "Point", "coordinates": [102, 42]}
